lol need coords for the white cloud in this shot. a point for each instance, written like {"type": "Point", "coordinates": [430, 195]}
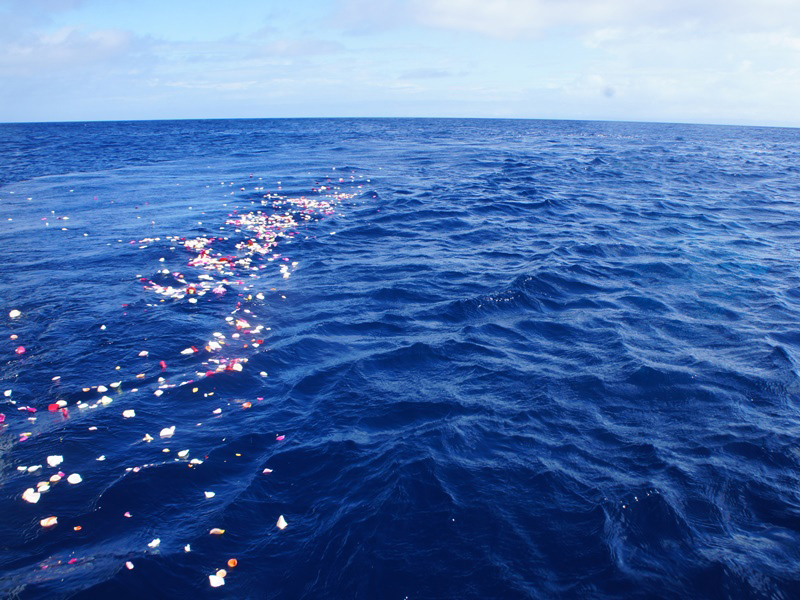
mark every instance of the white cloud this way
{"type": "Point", "coordinates": [67, 48]}
{"type": "Point", "coordinates": [523, 18]}
{"type": "Point", "coordinates": [300, 47]}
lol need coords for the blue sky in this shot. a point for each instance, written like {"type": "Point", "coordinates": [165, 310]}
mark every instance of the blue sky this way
{"type": "Point", "coordinates": [699, 61]}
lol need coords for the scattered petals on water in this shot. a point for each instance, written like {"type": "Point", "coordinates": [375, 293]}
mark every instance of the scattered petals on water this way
{"type": "Point", "coordinates": [212, 352]}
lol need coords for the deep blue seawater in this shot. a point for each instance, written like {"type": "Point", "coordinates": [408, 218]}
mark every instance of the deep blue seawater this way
{"type": "Point", "coordinates": [508, 359]}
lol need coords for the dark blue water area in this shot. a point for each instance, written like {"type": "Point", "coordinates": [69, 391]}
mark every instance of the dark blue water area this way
{"type": "Point", "coordinates": [476, 358]}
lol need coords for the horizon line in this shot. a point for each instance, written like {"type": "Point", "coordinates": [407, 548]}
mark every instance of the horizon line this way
{"type": "Point", "coordinates": [387, 118]}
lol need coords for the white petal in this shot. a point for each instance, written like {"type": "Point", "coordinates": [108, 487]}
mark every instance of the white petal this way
{"type": "Point", "coordinates": [215, 581]}
{"type": "Point", "coordinates": [48, 521]}
{"type": "Point", "coordinates": [282, 522]}
{"type": "Point", "coordinates": [209, 494]}
{"type": "Point", "coordinates": [55, 460]}
{"type": "Point", "coordinates": [74, 478]}
{"type": "Point", "coordinates": [154, 543]}
{"type": "Point", "coordinates": [128, 414]}
{"type": "Point", "coordinates": [167, 431]}
{"type": "Point", "coordinates": [30, 495]}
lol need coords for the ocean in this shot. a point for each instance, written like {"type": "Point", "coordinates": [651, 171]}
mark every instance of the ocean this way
{"type": "Point", "coordinates": [399, 359]}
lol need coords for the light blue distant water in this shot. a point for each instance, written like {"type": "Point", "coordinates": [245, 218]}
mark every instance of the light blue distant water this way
{"type": "Point", "coordinates": [482, 359]}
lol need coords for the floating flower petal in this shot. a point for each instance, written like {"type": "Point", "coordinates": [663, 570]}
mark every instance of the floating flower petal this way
{"type": "Point", "coordinates": [31, 495]}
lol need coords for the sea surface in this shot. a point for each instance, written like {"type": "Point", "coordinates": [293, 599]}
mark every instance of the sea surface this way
{"type": "Point", "coordinates": [399, 359]}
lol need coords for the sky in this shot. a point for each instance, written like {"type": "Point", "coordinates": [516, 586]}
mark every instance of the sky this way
{"type": "Point", "coordinates": [688, 61]}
